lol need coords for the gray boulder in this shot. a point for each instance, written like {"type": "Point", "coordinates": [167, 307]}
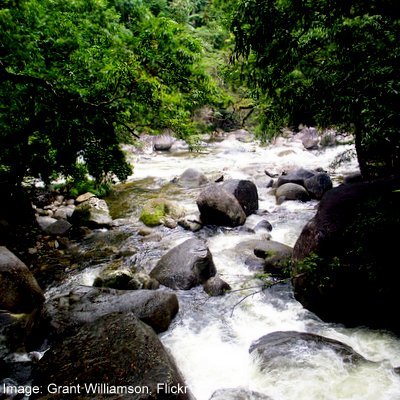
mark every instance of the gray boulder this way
{"type": "Point", "coordinates": [276, 256]}
{"type": "Point", "coordinates": [191, 178]}
{"type": "Point", "coordinates": [141, 280]}
{"type": "Point", "coordinates": [286, 348]}
{"type": "Point", "coordinates": [351, 241]}
{"type": "Point", "coordinates": [263, 225]}
{"type": "Point", "coordinates": [93, 213]}
{"type": "Point", "coordinates": [309, 138]}
{"type": "Point", "coordinates": [19, 290]}
{"type": "Point", "coordinates": [118, 279]}
{"type": "Point", "coordinates": [86, 304]}
{"type": "Point", "coordinates": [190, 223]}
{"type": "Point", "coordinates": [245, 192]}
{"type": "Point", "coordinates": [238, 394]}
{"type": "Point", "coordinates": [291, 191]}
{"type": "Point", "coordinates": [185, 266]}
{"type": "Point", "coordinates": [58, 228]}
{"type": "Point", "coordinates": [117, 351]}
{"type": "Point", "coordinates": [298, 176]}
{"type": "Point", "coordinates": [64, 212]}
{"type": "Point", "coordinates": [219, 207]}
{"type": "Point", "coordinates": [215, 286]}
{"type": "Point", "coordinates": [45, 221]}
{"type": "Point", "coordinates": [318, 184]}
{"type": "Point", "coordinates": [163, 142]}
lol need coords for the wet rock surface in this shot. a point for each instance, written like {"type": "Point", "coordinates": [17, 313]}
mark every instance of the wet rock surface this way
{"type": "Point", "coordinates": [293, 348]}
{"type": "Point", "coordinates": [245, 192]}
{"type": "Point", "coordinates": [238, 394]}
{"type": "Point", "coordinates": [93, 213]}
{"type": "Point", "coordinates": [219, 207]}
{"type": "Point", "coordinates": [185, 266]}
{"type": "Point", "coordinates": [85, 304]}
{"type": "Point", "coordinates": [215, 286]}
{"type": "Point", "coordinates": [350, 239]}
{"type": "Point", "coordinates": [19, 290]}
{"type": "Point", "coordinates": [113, 351]}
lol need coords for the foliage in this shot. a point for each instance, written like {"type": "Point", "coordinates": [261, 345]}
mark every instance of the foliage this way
{"type": "Point", "coordinates": [326, 63]}
{"type": "Point", "coordinates": [76, 76]}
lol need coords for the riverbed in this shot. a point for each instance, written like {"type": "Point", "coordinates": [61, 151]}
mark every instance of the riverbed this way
{"type": "Point", "coordinates": [211, 336]}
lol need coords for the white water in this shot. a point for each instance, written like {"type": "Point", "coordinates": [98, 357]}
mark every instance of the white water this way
{"type": "Point", "coordinates": [210, 337]}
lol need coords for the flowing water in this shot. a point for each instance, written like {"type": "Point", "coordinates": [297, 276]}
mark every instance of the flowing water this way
{"type": "Point", "coordinates": [211, 336]}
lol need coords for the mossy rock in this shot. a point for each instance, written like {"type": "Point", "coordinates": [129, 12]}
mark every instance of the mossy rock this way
{"type": "Point", "coordinates": [118, 279]}
{"type": "Point", "coordinates": [155, 211]}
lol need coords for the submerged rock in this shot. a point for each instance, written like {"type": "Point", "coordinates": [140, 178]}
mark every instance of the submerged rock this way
{"type": "Point", "coordinates": [191, 178]}
{"type": "Point", "coordinates": [238, 394]}
{"type": "Point", "coordinates": [19, 290]}
{"type": "Point", "coordinates": [294, 349]}
{"type": "Point", "coordinates": [185, 266]}
{"type": "Point", "coordinates": [85, 304]}
{"type": "Point", "coordinates": [118, 351]}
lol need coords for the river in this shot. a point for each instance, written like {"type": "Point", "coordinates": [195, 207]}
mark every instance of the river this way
{"type": "Point", "coordinates": [211, 336]}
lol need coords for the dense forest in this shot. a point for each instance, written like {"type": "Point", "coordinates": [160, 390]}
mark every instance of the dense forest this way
{"type": "Point", "coordinates": [80, 77]}
{"type": "Point", "coordinates": [260, 238]}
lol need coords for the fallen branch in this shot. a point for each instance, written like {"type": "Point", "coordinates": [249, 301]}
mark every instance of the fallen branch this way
{"type": "Point", "coordinates": [266, 285]}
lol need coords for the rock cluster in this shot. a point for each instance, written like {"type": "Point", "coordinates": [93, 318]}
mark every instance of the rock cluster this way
{"type": "Point", "coordinates": [303, 185]}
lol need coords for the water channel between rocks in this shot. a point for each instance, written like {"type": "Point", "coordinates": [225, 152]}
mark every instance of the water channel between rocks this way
{"type": "Point", "coordinates": [211, 336]}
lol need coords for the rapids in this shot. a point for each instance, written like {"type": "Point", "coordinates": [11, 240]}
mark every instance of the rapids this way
{"type": "Point", "coordinates": [211, 336]}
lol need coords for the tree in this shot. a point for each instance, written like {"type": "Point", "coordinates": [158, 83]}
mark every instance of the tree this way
{"type": "Point", "coordinates": [75, 75]}
{"type": "Point", "coordinates": [327, 63]}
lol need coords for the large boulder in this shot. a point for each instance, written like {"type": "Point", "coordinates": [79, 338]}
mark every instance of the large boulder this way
{"type": "Point", "coordinates": [309, 138]}
{"type": "Point", "coordinates": [85, 304]}
{"type": "Point", "coordinates": [344, 260]}
{"type": "Point", "coordinates": [185, 266]}
{"type": "Point", "coordinates": [119, 355]}
{"type": "Point", "coordinates": [277, 257]}
{"type": "Point", "coordinates": [297, 176]}
{"type": "Point", "coordinates": [93, 213]}
{"type": "Point", "coordinates": [245, 192]}
{"type": "Point", "coordinates": [287, 348]}
{"type": "Point", "coordinates": [19, 290]}
{"type": "Point", "coordinates": [163, 142]}
{"type": "Point", "coordinates": [318, 184]}
{"type": "Point", "coordinates": [219, 207]}
{"type": "Point", "coordinates": [160, 211]}
{"type": "Point", "coordinates": [291, 191]}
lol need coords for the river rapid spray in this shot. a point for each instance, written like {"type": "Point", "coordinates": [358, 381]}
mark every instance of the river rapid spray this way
{"type": "Point", "coordinates": [211, 336]}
